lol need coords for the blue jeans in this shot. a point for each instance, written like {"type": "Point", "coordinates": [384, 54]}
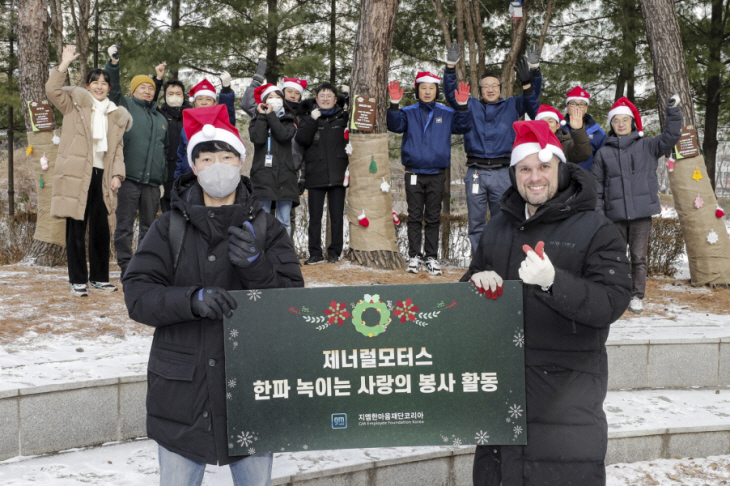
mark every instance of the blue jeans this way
{"type": "Point", "coordinates": [175, 470]}
{"type": "Point", "coordinates": [492, 183]}
{"type": "Point", "coordinates": [283, 212]}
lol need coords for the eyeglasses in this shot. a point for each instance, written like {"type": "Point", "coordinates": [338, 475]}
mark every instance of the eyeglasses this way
{"type": "Point", "coordinates": [578, 104]}
{"type": "Point", "coordinates": [490, 86]}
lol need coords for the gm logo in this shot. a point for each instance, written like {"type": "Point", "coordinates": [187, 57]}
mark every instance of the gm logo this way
{"type": "Point", "coordinates": [339, 420]}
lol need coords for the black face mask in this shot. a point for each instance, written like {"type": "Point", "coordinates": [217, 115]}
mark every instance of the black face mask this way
{"type": "Point", "coordinates": [148, 104]}
{"type": "Point", "coordinates": [294, 105]}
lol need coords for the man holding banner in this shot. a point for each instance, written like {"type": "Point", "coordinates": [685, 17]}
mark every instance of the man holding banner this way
{"type": "Point", "coordinates": [216, 238]}
{"type": "Point", "coordinates": [576, 283]}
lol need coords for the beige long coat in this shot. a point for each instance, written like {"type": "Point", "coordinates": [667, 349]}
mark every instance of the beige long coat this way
{"type": "Point", "coordinates": [75, 160]}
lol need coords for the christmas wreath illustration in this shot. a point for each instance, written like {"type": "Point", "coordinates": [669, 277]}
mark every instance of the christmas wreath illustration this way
{"type": "Point", "coordinates": [404, 310]}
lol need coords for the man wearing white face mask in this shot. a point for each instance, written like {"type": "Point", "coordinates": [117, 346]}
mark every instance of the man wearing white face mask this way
{"type": "Point", "coordinates": [216, 238]}
{"type": "Point", "coordinates": [174, 95]}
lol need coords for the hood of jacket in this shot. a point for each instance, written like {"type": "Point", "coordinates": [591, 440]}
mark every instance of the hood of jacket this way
{"type": "Point", "coordinates": [579, 196]}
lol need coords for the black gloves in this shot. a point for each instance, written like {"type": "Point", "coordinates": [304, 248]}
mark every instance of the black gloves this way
{"type": "Point", "coordinates": [453, 54]}
{"type": "Point", "coordinates": [244, 245]}
{"type": "Point", "coordinates": [260, 71]}
{"type": "Point", "coordinates": [523, 71]}
{"type": "Point", "coordinates": [212, 303]}
{"type": "Point", "coordinates": [301, 186]}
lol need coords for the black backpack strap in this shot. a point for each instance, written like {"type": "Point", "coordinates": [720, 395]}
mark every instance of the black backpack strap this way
{"type": "Point", "coordinates": [176, 235]}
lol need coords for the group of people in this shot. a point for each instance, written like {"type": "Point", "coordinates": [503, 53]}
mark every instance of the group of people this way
{"type": "Point", "coordinates": [564, 201]}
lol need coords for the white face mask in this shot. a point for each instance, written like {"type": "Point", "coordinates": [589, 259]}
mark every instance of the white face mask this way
{"type": "Point", "coordinates": [174, 101]}
{"type": "Point", "coordinates": [219, 180]}
{"type": "Point", "coordinates": [275, 104]}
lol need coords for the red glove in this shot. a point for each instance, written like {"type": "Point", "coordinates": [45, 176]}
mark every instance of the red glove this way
{"type": "Point", "coordinates": [462, 94]}
{"type": "Point", "coordinates": [395, 91]}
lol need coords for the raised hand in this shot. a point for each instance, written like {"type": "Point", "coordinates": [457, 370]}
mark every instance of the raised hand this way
{"type": "Point", "coordinates": [674, 100]}
{"type": "Point", "coordinates": [462, 94]}
{"type": "Point", "coordinates": [225, 79]}
{"type": "Point", "coordinates": [260, 71]}
{"type": "Point", "coordinates": [113, 52]}
{"type": "Point", "coordinates": [533, 57]}
{"type": "Point", "coordinates": [576, 117]}
{"type": "Point", "coordinates": [453, 54]}
{"type": "Point", "coordinates": [160, 70]}
{"type": "Point", "coordinates": [523, 71]}
{"type": "Point", "coordinates": [395, 91]}
{"type": "Point", "coordinates": [68, 55]}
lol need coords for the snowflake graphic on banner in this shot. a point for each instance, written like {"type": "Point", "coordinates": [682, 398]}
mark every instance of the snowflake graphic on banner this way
{"type": "Point", "coordinates": [515, 411]}
{"type": "Point", "coordinates": [457, 442]}
{"type": "Point", "coordinates": [234, 333]}
{"type": "Point", "coordinates": [519, 339]}
{"type": "Point", "coordinates": [232, 383]}
{"type": "Point", "coordinates": [229, 395]}
{"type": "Point", "coordinates": [251, 451]}
{"type": "Point", "coordinates": [482, 437]}
{"type": "Point", "coordinates": [254, 295]}
{"type": "Point", "coordinates": [246, 439]}
{"type": "Point", "coordinates": [517, 430]}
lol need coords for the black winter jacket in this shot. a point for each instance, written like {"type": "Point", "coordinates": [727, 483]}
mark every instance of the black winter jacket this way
{"type": "Point", "coordinates": [625, 171]}
{"type": "Point", "coordinates": [323, 139]}
{"type": "Point", "coordinates": [174, 117]}
{"type": "Point", "coordinates": [186, 395]}
{"type": "Point", "coordinates": [567, 326]}
{"type": "Point", "coordinates": [279, 182]}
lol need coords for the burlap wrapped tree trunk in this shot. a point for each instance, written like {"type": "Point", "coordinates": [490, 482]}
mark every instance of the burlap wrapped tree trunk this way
{"type": "Point", "coordinates": [375, 245]}
{"type": "Point", "coordinates": [708, 262]}
{"type": "Point", "coordinates": [49, 240]}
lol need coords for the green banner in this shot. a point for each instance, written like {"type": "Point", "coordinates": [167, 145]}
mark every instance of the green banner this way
{"type": "Point", "coordinates": [374, 366]}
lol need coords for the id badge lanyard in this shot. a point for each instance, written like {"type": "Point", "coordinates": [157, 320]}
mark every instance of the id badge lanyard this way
{"type": "Point", "coordinates": [269, 162]}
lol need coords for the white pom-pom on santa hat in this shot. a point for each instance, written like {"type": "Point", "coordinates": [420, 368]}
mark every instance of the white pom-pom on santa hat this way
{"type": "Point", "coordinates": [562, 123]}
{"type": "Point", "coordinates": [545, 155]}
{"type": "Point", "coordinates": [208, 131]}
{"type": "Point", "coordinates": [641, 133]}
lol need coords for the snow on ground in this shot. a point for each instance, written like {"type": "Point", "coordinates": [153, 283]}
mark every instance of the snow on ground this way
{"type": "Point", "coordinates": [135, 464]}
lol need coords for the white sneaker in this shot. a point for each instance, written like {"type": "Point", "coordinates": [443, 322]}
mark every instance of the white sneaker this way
{"type": "Point", "coordinates": [414, 265]}
{"type": "Point", "coordinates": [103, 286]}
{"type": "Point", "coordinates": [636, 306]}
{"type": "Point", "coordinates": [432, 266]}
{"type": "Point", "coordinates": [79, 290]}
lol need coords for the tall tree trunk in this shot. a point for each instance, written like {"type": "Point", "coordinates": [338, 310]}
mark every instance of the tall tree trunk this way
{"type": "Point", "coordinates": [81, 13]}
{"type": "Point", "coordinates": [712, 100]}
{"type": "Point", "coordinates": [461, 39]}
{"type": "Point", "coordinates": [517, 46]}
{"type": "Point", "coordinates": [57, 25]}
{"type": "Point", "coordinates": [709, 263]}
{"type": "Point", "coordinates": [47, 247]}
{"type": "Point", "coordinates": [375, 245]}
{"type": "Point", "coordinates": [471, 40]}
{"type": "Point", "coordinates": [11, 115]}
{"type": "Point", "coordinates": [333, 42]}
{"type": "Point", "coordinates": [272, 42]}
{"type": "Point", "coordinates": [548, 14]}
{"type": "Point", "coordinates": [174, 32]}
{"type": "Point", "coordinates": [476, 16]}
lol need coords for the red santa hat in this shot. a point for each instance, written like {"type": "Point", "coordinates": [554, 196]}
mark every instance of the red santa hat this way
{"type": "Point", "coordinates": [298, 84]}
{"type": "Point", "coordinates": [578, 94]}
{"type": "Point", "coordinates": [426, 77]}
{"type": "Point", "coordinates": [547, 111]}
{"type": "Point", "coordinates": [203, 88]}
{"type": "Point", "coordinates": [625, 107]}
{"type": "Point", "coordinates": [260, 93]}
{"type": "Point", "coordinates": [210, 124]}
{"type": "Point", "coordinates": [535, 137]}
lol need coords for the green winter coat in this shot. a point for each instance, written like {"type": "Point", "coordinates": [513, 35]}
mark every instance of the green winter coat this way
{"type": "Point", "coordinates": [145, 145]}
